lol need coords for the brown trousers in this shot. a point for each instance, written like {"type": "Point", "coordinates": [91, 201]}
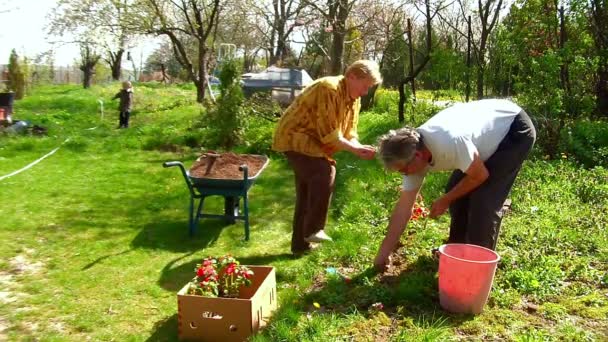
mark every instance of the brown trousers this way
{"type": "Point", "coordinates": [314, 187]}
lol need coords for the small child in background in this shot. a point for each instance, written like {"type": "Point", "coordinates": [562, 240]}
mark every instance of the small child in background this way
{"type": "Point", "coordinates": [126, 102]}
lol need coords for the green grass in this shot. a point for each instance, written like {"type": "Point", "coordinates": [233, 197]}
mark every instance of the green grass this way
{"type": "Point", "coordinates": [95, 241]}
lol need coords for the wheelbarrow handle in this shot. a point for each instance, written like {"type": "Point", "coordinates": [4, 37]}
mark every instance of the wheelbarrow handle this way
{"type": "Point", "coordinates": [243, 168]}
{"type": "Point", "coordinates": [184, 173]}
{"type": "Point", "coordinates": [172, 163]}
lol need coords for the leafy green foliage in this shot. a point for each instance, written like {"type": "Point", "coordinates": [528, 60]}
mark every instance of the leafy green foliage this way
{"type": "Point", "coordinates": [226, 121]}
{"type": "Point", "coordinates": [16, 77]}
{"type": "Point", "coordinates": [587, 141]}
{"type": "Point", "coordinates": [395, 58]}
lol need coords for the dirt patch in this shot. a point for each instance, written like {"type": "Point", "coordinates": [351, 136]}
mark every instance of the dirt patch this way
{"type": "Point", "coordinates": [21, 264]}
{"type": "Point", "coordinates": [7, 297]}
{"type": "Point", "coordinates": [3, 329]}
{"type": "Point", "coordinates": [226, 165]}
{"type": "Point", "coordinates": [397, 265]}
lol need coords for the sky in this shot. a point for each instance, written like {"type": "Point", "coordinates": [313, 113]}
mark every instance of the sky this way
{"type": "Point", "coordinates": [22, 27]}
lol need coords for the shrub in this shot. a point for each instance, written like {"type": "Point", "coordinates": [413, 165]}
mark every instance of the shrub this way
{"type": "Point", "coordinates": [227, 118]}
{"type": "Point", "coordinates": [587, 141]}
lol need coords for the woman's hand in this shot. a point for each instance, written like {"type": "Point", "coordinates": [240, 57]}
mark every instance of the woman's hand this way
{"type": "Point", "coordinates": [366, 152]}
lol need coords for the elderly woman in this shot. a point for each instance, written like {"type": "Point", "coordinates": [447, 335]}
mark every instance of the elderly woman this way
{"type": "Point", "coordinates": [321, 121]}
{"type": "Point", "coordinates": [485, 143]}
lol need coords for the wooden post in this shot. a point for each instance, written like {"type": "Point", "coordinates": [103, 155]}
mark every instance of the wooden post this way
{"type": "Point", "coordinates": [468, 90]}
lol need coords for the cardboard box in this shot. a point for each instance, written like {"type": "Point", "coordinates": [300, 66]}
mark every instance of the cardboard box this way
{"type": "Point", "coordinates": [228, 319]}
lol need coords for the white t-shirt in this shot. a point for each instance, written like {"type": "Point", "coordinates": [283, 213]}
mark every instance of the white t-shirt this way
{"type": "Point", "coordinates": [454, 135]}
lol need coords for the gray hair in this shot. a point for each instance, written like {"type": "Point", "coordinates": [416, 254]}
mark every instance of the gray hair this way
{"type": "Point", "coordinates": [400, 144]}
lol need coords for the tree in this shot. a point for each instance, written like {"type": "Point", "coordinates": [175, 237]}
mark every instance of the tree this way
{"type": "Point", "coordinates": [228, 114]}
{"type": "Point", "coordinates": [530, 53]}
{"type": "Point", "coordinates": [394, 58]}
{"type": "Point", "coordinates": [429, 14]}
{"type": "Point", "coordinates": [487, 13]}
{"type": "Point", "coordinates": [88, 60]}
{"type": "Point", "coordinates": [353, 47]}
{"type": "Point", "coordinates": [598, 12]}
{"type": "Point", "coordinates": [244, 24]}
{"type": "Point", "coordinates": [16, 79]}
{"type": "Point", "coordinates": [335, 14]}
{"type": "Point", "coordinates": [281, 17]}
{"type": "Point", "coordinates": [185, 22]}
{"type": "Point", "coordinates": [163, 60]}
{"type": "Point", "coordinates": [110, 20]}
{"type": "Point", "coordinates": [315, 51]}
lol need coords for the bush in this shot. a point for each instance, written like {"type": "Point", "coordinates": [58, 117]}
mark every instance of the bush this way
{"type": "Point", "coordinates": [416, 113]}
{"type": "Point", "coordinates": [386, 100]}
{"type": "Point", "coordinates": [587, 141]}
{"type": "Point", "coordinates": [227, 118]}
{"type": "Point", "coordinates": [261, 104]}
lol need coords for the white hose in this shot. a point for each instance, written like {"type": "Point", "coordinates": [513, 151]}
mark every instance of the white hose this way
{"type": "Point", "coordinates": [34, 162]}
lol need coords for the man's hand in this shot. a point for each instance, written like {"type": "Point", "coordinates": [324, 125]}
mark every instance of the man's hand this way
{"type": "Point", "coordinates": [397, 223]}
{"type": "Point", "coordinates": [439, 207]}
{"type": "Point", "coordinates": [382, 262]}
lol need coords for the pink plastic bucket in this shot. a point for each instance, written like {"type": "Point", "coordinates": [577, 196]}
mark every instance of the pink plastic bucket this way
{"type": "Point", "coordinates": [466, 273]}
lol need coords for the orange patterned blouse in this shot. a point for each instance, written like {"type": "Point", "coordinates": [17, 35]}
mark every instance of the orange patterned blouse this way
{"type": "Point", "coordinates": [318, 118]}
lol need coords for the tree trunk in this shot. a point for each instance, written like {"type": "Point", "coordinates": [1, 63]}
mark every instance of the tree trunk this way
{"type": "Point", "coordinates": [402, 99]}
{"type": "Point", "coordinates": [601, 103]}
{"type": "Point", "coordinates": [337, 53]}
{"type": "Point", "coordinates": [201, 82]}
{"type": "Point", "coordinates": [480, 81]}
{"type": "Point", "coordinates": [88, 71]}
{"type": "Point", "coordinates": [163, 71]}
{"type": "Point", "coordinates": [279, 54]}
{"type": "Point", "coordinates": [469, 38]}
{"type": "Point", "coordinates": [339, 13]}
{"type": "Point", "coordinates": [116, 64]}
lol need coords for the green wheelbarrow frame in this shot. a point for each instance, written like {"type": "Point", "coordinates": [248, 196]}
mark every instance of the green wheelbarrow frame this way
{"type": "Point", "coordinates": [231, 189]}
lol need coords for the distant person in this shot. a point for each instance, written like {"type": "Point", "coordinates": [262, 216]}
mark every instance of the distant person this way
{"type": "Point", "coordinates": [321, 121]}
{"type": "Point", "coordinates": [125, 105]}
{"type": "Point", "coordinates": [485, 142]}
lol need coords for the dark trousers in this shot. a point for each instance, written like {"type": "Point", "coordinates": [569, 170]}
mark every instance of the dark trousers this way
{"type": "Point", "coordinates": [124, 119]}
{"type": "Point", "coordinates": [476, 217]}
{"type": "Point", "coordinates": [314, 187]}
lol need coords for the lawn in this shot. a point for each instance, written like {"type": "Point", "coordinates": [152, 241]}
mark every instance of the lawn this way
{"type": "Point", "coordinates": [95, 242]}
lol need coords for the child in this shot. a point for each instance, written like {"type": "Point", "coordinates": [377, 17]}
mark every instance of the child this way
{"type": "Point", "coordinates": [126, 100]}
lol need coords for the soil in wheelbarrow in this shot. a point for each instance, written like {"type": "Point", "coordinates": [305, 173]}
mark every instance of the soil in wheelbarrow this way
{"type": "Point", "coordinates": [226, 166]}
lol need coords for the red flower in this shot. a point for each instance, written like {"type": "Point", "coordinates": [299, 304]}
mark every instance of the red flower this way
{"type": "Point", "coordinates": [200, 272]}
{"type": "Point", "coordinates": [230, 269]}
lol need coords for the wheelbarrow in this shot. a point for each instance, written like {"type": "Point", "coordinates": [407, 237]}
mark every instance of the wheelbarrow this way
{"type": "Point", "coordinates": [231, 189]}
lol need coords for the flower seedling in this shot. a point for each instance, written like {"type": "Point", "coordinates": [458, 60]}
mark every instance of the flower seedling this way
{"type": "Point", "coordinates": [222, 277]}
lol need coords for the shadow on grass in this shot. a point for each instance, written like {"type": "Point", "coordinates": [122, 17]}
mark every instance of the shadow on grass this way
{"type": "Point", "coordinates": [174, 236]}
{"type": "Point", "coordinates": [411, 292]}
{"type": "Point", "coordinates": [100, 259]}
{"type": "Point", "coordinates": [164, 330]}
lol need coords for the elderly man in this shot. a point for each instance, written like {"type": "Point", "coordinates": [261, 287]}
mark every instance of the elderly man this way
{"type": "Point", "coordinates": [321, 121]}
{"type": "Point", "coordinates": [485, 142]}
